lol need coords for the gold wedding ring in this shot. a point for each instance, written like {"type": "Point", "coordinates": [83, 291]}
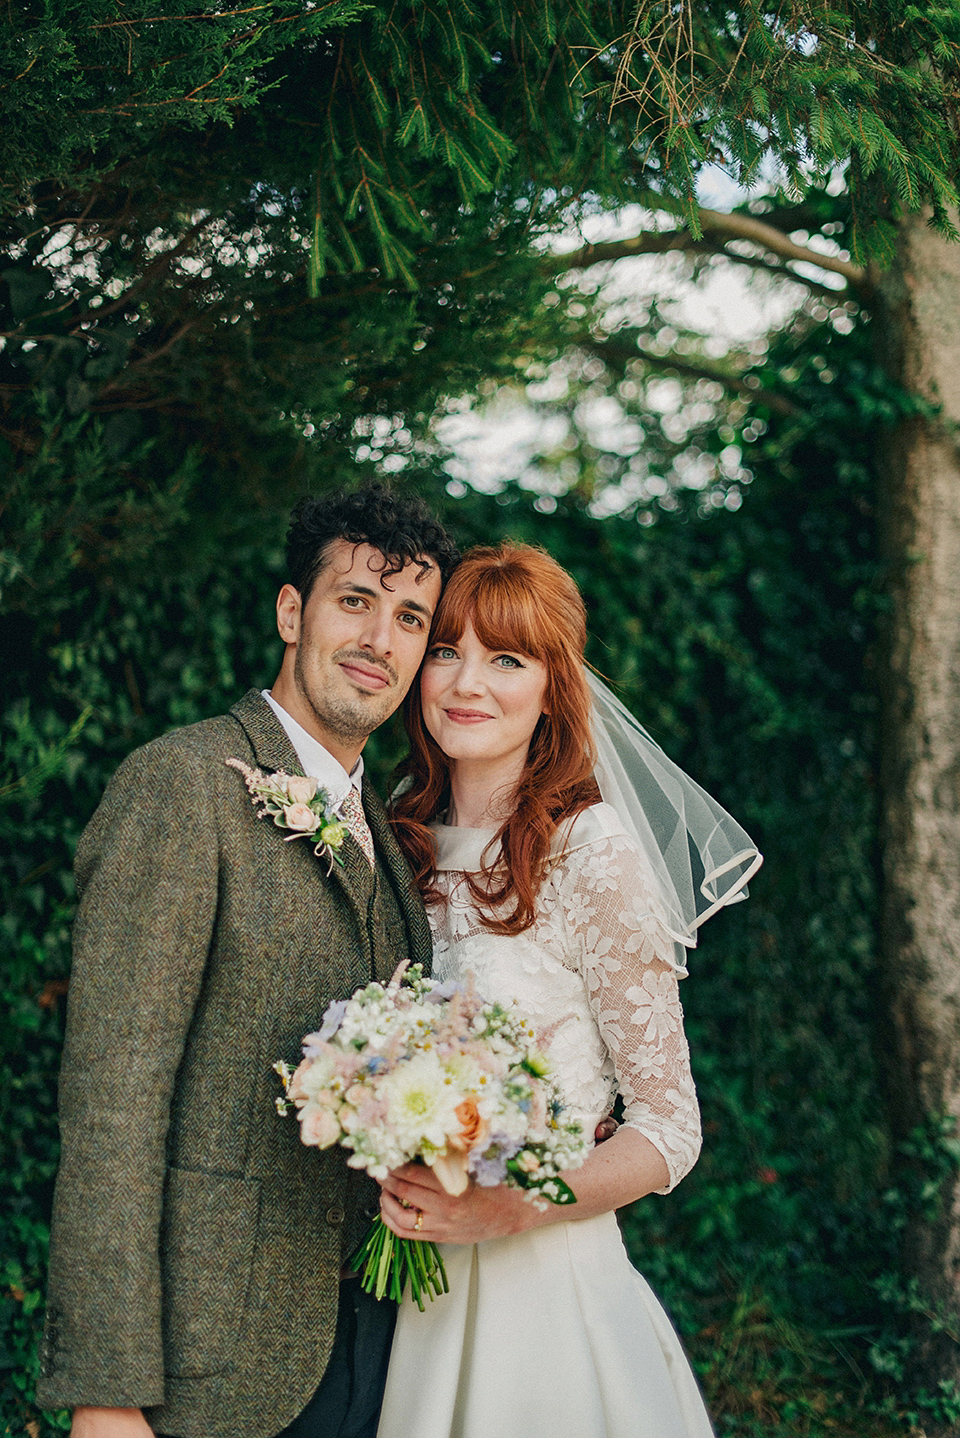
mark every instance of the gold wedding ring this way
{"type": "Point", "coordinates": [419, 1223]}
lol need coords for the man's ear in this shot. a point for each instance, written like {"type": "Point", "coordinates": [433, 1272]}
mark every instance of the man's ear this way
{"type": "Point", "coordinates": [289, 606]}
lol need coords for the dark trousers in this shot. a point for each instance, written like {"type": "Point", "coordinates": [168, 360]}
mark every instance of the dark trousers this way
{"type": "Point", "coordinates": [347, 1403]}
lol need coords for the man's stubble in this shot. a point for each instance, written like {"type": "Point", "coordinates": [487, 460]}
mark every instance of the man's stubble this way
{"type": "Point", "coordinates": [350, 721]}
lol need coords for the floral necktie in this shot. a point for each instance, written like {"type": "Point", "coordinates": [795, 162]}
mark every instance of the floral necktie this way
{"type": "Point", "coordinates": [351, 811]}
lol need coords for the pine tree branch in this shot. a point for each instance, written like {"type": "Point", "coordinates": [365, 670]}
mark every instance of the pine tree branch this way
{"type": "Point", "coordinates": [178, 19]}
{"type": "Point", "coordinates": [682, 241]}
{"type": "Point", "coordinates": [162, 262]}
{"type": "Point", "coordinates": [746, 227]}
{"type": "Point", "coordinates": [783, 272]}
{"type": "Point", "coordinates": [726, 227]}
{"type": "Point", "coordinates": [658, 242]}
{"type": "Point", "coordinates": [617, 353]}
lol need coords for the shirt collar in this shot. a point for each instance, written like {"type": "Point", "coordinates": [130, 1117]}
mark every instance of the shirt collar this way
{"type": "Point", "coordinates": [315, 760]}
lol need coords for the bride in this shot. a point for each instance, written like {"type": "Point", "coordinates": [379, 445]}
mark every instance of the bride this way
{"type": "Point", "coordinates": [581, 911]}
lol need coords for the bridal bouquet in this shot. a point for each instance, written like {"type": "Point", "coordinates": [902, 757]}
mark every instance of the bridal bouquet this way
{"type": "Point", "coordinates": [417, 1070]}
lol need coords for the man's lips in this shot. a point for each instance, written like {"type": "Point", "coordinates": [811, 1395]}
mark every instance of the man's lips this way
{"type": "Point", "coordinates": [467, 716]}
{"type": "Point", "coordinates": [364, 676]}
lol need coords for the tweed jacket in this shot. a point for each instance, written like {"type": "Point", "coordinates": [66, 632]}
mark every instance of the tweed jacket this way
{"type": "Point", "coordinates": [196, 1244]}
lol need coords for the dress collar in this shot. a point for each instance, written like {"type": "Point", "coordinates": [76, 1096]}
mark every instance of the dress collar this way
{"type": "Point", "coordinates": [461, 849]}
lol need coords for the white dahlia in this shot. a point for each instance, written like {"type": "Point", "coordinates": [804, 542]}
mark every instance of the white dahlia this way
{"type": "Point", "coordinates": [421, 1102]}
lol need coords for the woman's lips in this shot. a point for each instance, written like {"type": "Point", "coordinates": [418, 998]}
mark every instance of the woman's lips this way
{"type": "Point", "coordinates": [369, 678]}
{"type": "Point", "coordinates": [467, 716]}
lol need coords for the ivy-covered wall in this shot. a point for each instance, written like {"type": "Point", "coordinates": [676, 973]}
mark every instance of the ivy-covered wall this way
{"type": "Point", "coordinates": [745, 641]}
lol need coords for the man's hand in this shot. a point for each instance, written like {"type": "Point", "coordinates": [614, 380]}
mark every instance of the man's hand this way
{"type": "Point", "coordinates": [109, 1423]}
{"type": "Point", "coordinates": [605, 1129]}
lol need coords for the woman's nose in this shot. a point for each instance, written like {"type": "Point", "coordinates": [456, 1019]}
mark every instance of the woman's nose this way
{"type": "Point", "coordinates": [469, 678]}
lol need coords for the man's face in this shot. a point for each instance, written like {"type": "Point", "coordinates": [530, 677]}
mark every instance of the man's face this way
{"type": "Point", "coordinates": [354, 647]}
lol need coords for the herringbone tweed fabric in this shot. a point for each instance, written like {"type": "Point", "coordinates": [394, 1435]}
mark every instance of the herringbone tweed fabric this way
{"type": "Point", "coordinates": [196, 1243]}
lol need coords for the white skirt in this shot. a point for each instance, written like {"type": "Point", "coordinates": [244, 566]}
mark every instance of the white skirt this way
{"type": "Point", "coordinates": [548, 1334]}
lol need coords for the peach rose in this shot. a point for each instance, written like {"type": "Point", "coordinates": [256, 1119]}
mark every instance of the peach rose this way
{"type": "Point", "coordinates": [300, 790]}
{"type": "Point", "coordinates": [473, 1128]}
{"type": "Point", "coordinates": [301, 818]}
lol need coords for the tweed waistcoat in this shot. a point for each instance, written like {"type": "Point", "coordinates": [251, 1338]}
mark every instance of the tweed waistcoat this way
{"type": "Point", "coordinates": [196, 1244]}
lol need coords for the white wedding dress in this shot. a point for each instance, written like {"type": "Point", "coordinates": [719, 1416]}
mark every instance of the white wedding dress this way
{"type": "Point", "coordinates": [552, 1333]}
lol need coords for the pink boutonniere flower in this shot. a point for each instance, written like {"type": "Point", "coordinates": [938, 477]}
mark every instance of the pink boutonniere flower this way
{"type": "Point", "coordinates": [294, 802]}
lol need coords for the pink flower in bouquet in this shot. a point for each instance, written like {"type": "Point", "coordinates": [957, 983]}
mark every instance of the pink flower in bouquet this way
{"type": "Point", "coordinates": [538, 1109]}
{"type": "Point", "coordinates": [312, 1079]}
{"type": "Point", "coordinates": [318, 1126]}
{"type": "Point", "coordinates": [451, 1170]}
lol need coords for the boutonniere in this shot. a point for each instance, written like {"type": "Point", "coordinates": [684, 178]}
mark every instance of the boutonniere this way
{"type": "Point", "coordinates": [296, 803]}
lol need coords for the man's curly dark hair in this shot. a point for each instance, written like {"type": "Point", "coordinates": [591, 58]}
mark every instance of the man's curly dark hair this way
{"type": "Point", "coordinates": [400, 526]}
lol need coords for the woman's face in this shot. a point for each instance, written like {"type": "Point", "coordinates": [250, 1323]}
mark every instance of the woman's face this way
{"type": "Point", "coordinates": [482, 705]}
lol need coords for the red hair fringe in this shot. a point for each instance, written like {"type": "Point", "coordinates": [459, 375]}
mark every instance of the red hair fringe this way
{"type": "Point", "coordinates": [517, 598]}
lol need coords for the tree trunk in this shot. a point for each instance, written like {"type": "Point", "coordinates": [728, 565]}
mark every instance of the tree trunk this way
{"type": "Point", "coordinates": [919, 317]}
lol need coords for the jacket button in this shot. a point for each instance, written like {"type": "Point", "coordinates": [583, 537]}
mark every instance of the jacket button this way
{"type": "Point", "coordinates": [335, 1216]}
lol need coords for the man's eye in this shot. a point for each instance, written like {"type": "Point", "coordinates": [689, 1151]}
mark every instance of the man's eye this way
{"type": "Point", "coordinates": [412, 621]}
{"type": "Point", "coordinates": [355, 601]}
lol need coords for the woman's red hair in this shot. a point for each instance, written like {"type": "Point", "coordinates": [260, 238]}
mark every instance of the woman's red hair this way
{"type": "Point", "coordinates": [517, 598]}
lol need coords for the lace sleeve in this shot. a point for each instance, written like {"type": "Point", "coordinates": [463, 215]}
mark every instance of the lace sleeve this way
{"type": "Point", "coordinates": [628, 962]}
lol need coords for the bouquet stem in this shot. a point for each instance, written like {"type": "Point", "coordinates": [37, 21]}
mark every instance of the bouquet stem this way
{"type": "Point", "coordinates": [385, 1262]}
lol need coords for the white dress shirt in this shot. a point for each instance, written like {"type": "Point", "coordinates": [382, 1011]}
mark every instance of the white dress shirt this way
{"type": "Point", "coordinates": [315, 761]}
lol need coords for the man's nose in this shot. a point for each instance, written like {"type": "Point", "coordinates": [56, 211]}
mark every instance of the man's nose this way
{"type": "Point", "coordinates": [377, 633]}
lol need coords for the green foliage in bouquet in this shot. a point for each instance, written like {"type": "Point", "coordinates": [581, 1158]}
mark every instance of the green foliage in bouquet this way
{"type": "Point", "coordinates": [388, 1264]}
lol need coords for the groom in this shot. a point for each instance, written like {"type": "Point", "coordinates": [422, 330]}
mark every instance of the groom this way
{"type": "Point", "coordinates": [197, 1246]}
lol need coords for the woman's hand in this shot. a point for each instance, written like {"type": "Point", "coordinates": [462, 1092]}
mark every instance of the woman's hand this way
{"type": "Point", "coordinates": [624, 1168]}
{"type": "Point", "coordinates": [475, 1215]}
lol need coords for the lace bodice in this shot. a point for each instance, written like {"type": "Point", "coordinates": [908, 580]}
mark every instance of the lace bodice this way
{"type": "Point", "coordinates": [597, 964]}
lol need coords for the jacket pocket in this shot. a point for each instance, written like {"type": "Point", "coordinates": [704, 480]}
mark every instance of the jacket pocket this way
{"type": "Point", "coordinates": [206, 1255]}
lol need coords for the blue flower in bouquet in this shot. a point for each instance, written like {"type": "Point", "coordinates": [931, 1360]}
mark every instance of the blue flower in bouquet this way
{"type": "Point", "coordinates": [440, 993]}
{"type": "Point", "coordinates": [332, 1020]}
{"type": "Point", "coordinates": [490, 1167]}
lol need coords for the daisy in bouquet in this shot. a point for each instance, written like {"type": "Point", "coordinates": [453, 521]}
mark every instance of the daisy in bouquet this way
{"type": "Point", "coordinates": [417, 1070]}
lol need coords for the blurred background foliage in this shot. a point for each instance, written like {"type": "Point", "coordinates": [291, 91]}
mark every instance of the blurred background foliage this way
{"type": "Point", "coordinates": [209, 311]}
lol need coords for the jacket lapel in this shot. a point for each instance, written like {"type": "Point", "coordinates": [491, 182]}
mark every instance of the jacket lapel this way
{"type": "Point", "coordinates": [268, 738]}
{"type": "Point", "coordinates": [411, 905]}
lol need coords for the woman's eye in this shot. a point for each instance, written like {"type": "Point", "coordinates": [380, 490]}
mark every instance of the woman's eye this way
{"type": "Point", "coordinates": [442, 651]}
{"type": "Point", "coordinates": [507, 661]}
